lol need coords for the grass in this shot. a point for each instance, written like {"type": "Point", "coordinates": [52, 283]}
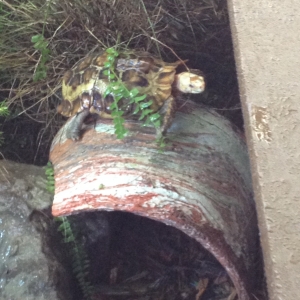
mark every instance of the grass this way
{"type": "Point", "coordinates": [40, 40]}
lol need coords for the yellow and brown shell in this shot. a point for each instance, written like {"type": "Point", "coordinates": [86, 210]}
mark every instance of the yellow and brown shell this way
{"type": "Point", "coordinates": [84, 85]}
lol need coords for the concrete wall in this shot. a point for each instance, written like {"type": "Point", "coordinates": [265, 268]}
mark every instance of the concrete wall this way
{"type": "Point", "coordinates": [266, 36]}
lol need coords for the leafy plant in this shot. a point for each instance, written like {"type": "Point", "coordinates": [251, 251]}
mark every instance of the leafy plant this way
{"type": "Point", "coordinates": [161, 142]}
{"type": "Point", "coordinates": [3, 109]}
{"type": "Point", "coordinates": [119, 91]}
{"type": "Point", "coordinates": [80, 261]}
{"type": "Point", "coordinates": [41, 45]}
{"type": "Point", "coordinates": [3, 113]}
{"type": "Point", "coordinates": [49, 171]}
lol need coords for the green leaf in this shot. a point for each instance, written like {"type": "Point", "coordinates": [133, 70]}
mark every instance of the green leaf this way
{"type": "Point", "coordinates": [111, 58]}
{"type": "Point", "coordinates": [49, 172]}
{"type": "Point", "coordinates": [131, 101]}
{"type": "Point", "coordinates": [140, 98]}
{"type": "Point", "coordinates": [145, 112]}
{"type": "Point", "coordinates": [37, 38]}
{"type": "Point", "coordinates": [133, 93]}
{"type": "Point", "coordinates": [107, 92]}
{"type": "Point", "coordinates": [40, 45]}
{"type": "Point", "coordinates": [106, 72]}
{"type": "Point", "coordinates": [117, 113]}
{"type": "Point", "coordinates": [146, 104]}
{"type": "Point", "coordinates": [112, 51]}
{"type": "Point", "coordinates": [119, 90]}
{"type": "Point", "coordinates": [58, 219]}
{"type": "Point", "coordinates": [69, 239]}
{"type": "Point", "coordinates": [114, 85]}
{"type": "Point", "coordinates": [111, 76]}
{"type": "Point", "coordinates": [45, 53]}
{"type": "Point", "coordinates": [157, 124]}
{"type": "Point", "coordinates": [118, 97]}
{"type": "Point", "coordinates": [113, 106]}
{"type": "Point", "coordinates": [50, 189]}
{"type": "Point", "coordinates": [121, 134]}
{"type": "Point", "coordinates": [137, 109]}
{"type": "Point", "coordinates": [4, 111]}
{"type": "Point", "coordinates": [107, 64]}
{"type": "Point", "coordinates": [39, 74]}
{"type": "Point", "coordinates": [154, 117]}
{"type": "Point", "coordinates": [126, 93]}
{"type": "Point", "coordinates": [147, 122]}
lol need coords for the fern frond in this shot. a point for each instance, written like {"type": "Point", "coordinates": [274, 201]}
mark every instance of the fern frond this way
{"type": "Point", "coordinates": [79, 258]}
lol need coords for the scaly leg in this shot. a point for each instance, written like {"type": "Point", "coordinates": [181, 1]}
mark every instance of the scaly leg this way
{"type": "Point", "coordinates": [167, 111]}
{"type": "Point", "coordinates": [74, 126]}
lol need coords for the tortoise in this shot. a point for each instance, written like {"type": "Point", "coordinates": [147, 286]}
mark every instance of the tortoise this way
{"type": "Point", "coordinates": [84, 85]}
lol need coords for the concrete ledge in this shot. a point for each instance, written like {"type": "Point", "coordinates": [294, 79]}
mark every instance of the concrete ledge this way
{"type": "Point", "coordinates": [267, 42]}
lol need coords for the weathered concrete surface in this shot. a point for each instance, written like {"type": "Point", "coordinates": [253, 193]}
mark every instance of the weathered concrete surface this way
{"type": "Point", "coordinates": [267, 42]}
{"type": "Point", "coordinates": [28, 267]}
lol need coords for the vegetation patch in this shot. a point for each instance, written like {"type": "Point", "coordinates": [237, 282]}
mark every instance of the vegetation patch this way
{"type": "Point", "coordinates": [118, 89]}
{"type": "Point", "coordinates": [41, 40]}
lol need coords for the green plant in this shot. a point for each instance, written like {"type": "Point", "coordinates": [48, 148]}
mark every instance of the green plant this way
{"type": "Point", "coordinates": [49, 171]}
{"type": "Point", "coordinates": [41, 45]}
{"type": "Point", "coordinates": [80, 261]}
{"type": "Point", "coordinates": [3, 109]}
{"type": "Point", "coordinates": [161, 142]}
{"type": "Point", "coordinates": [3, 113]}
{"type": "Point", "coordinates": [119, 91]}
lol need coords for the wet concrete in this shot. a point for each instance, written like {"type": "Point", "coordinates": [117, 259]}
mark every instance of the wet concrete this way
{"type": "Point", "coordinates": [29, 266]}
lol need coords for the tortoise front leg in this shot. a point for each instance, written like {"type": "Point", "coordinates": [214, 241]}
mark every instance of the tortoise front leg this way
{"type": "Point", "coordinates": [75, 124]}
{"type": "Point", "coordinates": [167, 111]}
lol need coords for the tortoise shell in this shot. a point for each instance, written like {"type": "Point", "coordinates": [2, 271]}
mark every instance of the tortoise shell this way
{"type": "Point", "coordinates": [84, 85]}
{"type": "Point", "coordinates": [150, 75]}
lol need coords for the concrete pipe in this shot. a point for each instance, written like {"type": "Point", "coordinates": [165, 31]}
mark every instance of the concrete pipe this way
{"type": "Point", "coordinates": [200, 183]}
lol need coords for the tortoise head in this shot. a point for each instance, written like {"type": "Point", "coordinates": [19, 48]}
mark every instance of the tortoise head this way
{"type": "Point", "coordinates": [187, 82]}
